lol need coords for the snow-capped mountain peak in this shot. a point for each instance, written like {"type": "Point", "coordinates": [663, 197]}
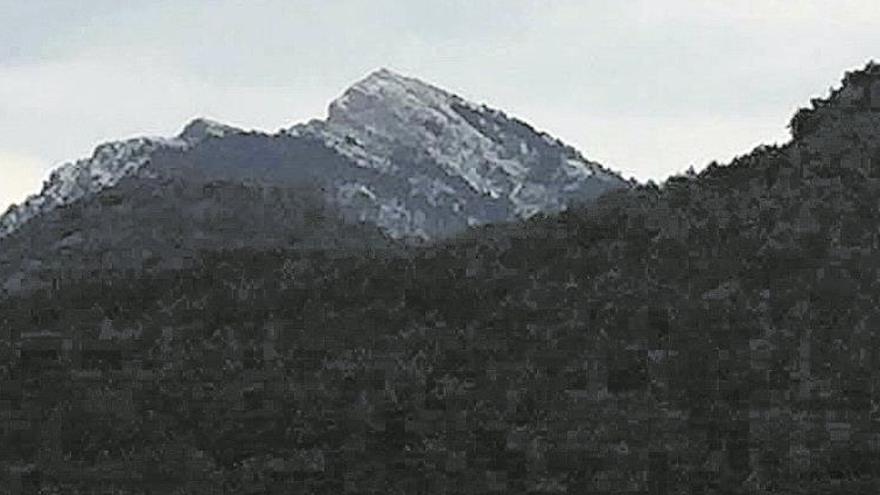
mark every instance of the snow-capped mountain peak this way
{"type": "Point", "coordinates": [399, 125]}
{"type": "Point", "coordinates": [410, 157]}
{"type": "Point", "coordinates": [389, 90]}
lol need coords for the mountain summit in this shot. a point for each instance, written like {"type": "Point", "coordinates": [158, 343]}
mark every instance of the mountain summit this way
{"type": "Point", "coordinates": [446, 162]}
{"type": "Point", "coordinates": [415, 160]}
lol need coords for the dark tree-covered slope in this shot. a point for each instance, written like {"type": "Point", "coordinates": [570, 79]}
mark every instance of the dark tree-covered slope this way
{"type": "Point", "coordinates": [148, 224]}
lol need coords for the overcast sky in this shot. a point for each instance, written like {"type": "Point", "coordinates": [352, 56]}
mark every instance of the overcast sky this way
{"type": "Point", "coordinates": [645, 87]}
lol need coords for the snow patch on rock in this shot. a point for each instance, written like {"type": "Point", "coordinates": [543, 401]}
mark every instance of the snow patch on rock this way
{"type": "Point", "coordinates": [441, 144]}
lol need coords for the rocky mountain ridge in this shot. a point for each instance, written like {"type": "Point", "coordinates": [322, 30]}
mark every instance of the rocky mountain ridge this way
{"type": "Point", "coordinates": [451, 148]}
{"type": "Point", "coordinates": [422, 163]}
{"type": "Point", "coordinates": [110, 163]}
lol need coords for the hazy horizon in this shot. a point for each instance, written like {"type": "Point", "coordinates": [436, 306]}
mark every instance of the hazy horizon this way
{"type": "Point", "coordinates": [645, 89]}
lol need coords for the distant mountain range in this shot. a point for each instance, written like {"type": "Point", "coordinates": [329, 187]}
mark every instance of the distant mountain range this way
{"type": "Point", "coordinates": [413, 159]}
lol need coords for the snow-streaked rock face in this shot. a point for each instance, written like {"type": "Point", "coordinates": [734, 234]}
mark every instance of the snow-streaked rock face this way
{"type": "Point", "coordinates": [454, 157]}
{"type": "Point", "coordinates": [413, 159]}
{"type": "Point", "coordinates": [109, 163]}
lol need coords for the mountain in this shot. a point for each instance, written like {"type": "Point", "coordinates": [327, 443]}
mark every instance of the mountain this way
{"type": "Point", "coordinates": [447, 163]}
{"type": "Point", "coordinates": [395, 154]}
{"type": "Point", "coordinates": [406, 156]}
{"type": "Point", "coordinates": [105, 168]}
{"type": "Point", "coordinates": [717, 334]}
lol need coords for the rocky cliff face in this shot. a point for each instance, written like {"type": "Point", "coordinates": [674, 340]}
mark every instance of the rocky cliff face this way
{"type": "Point", "coordinates": [445, 163]}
